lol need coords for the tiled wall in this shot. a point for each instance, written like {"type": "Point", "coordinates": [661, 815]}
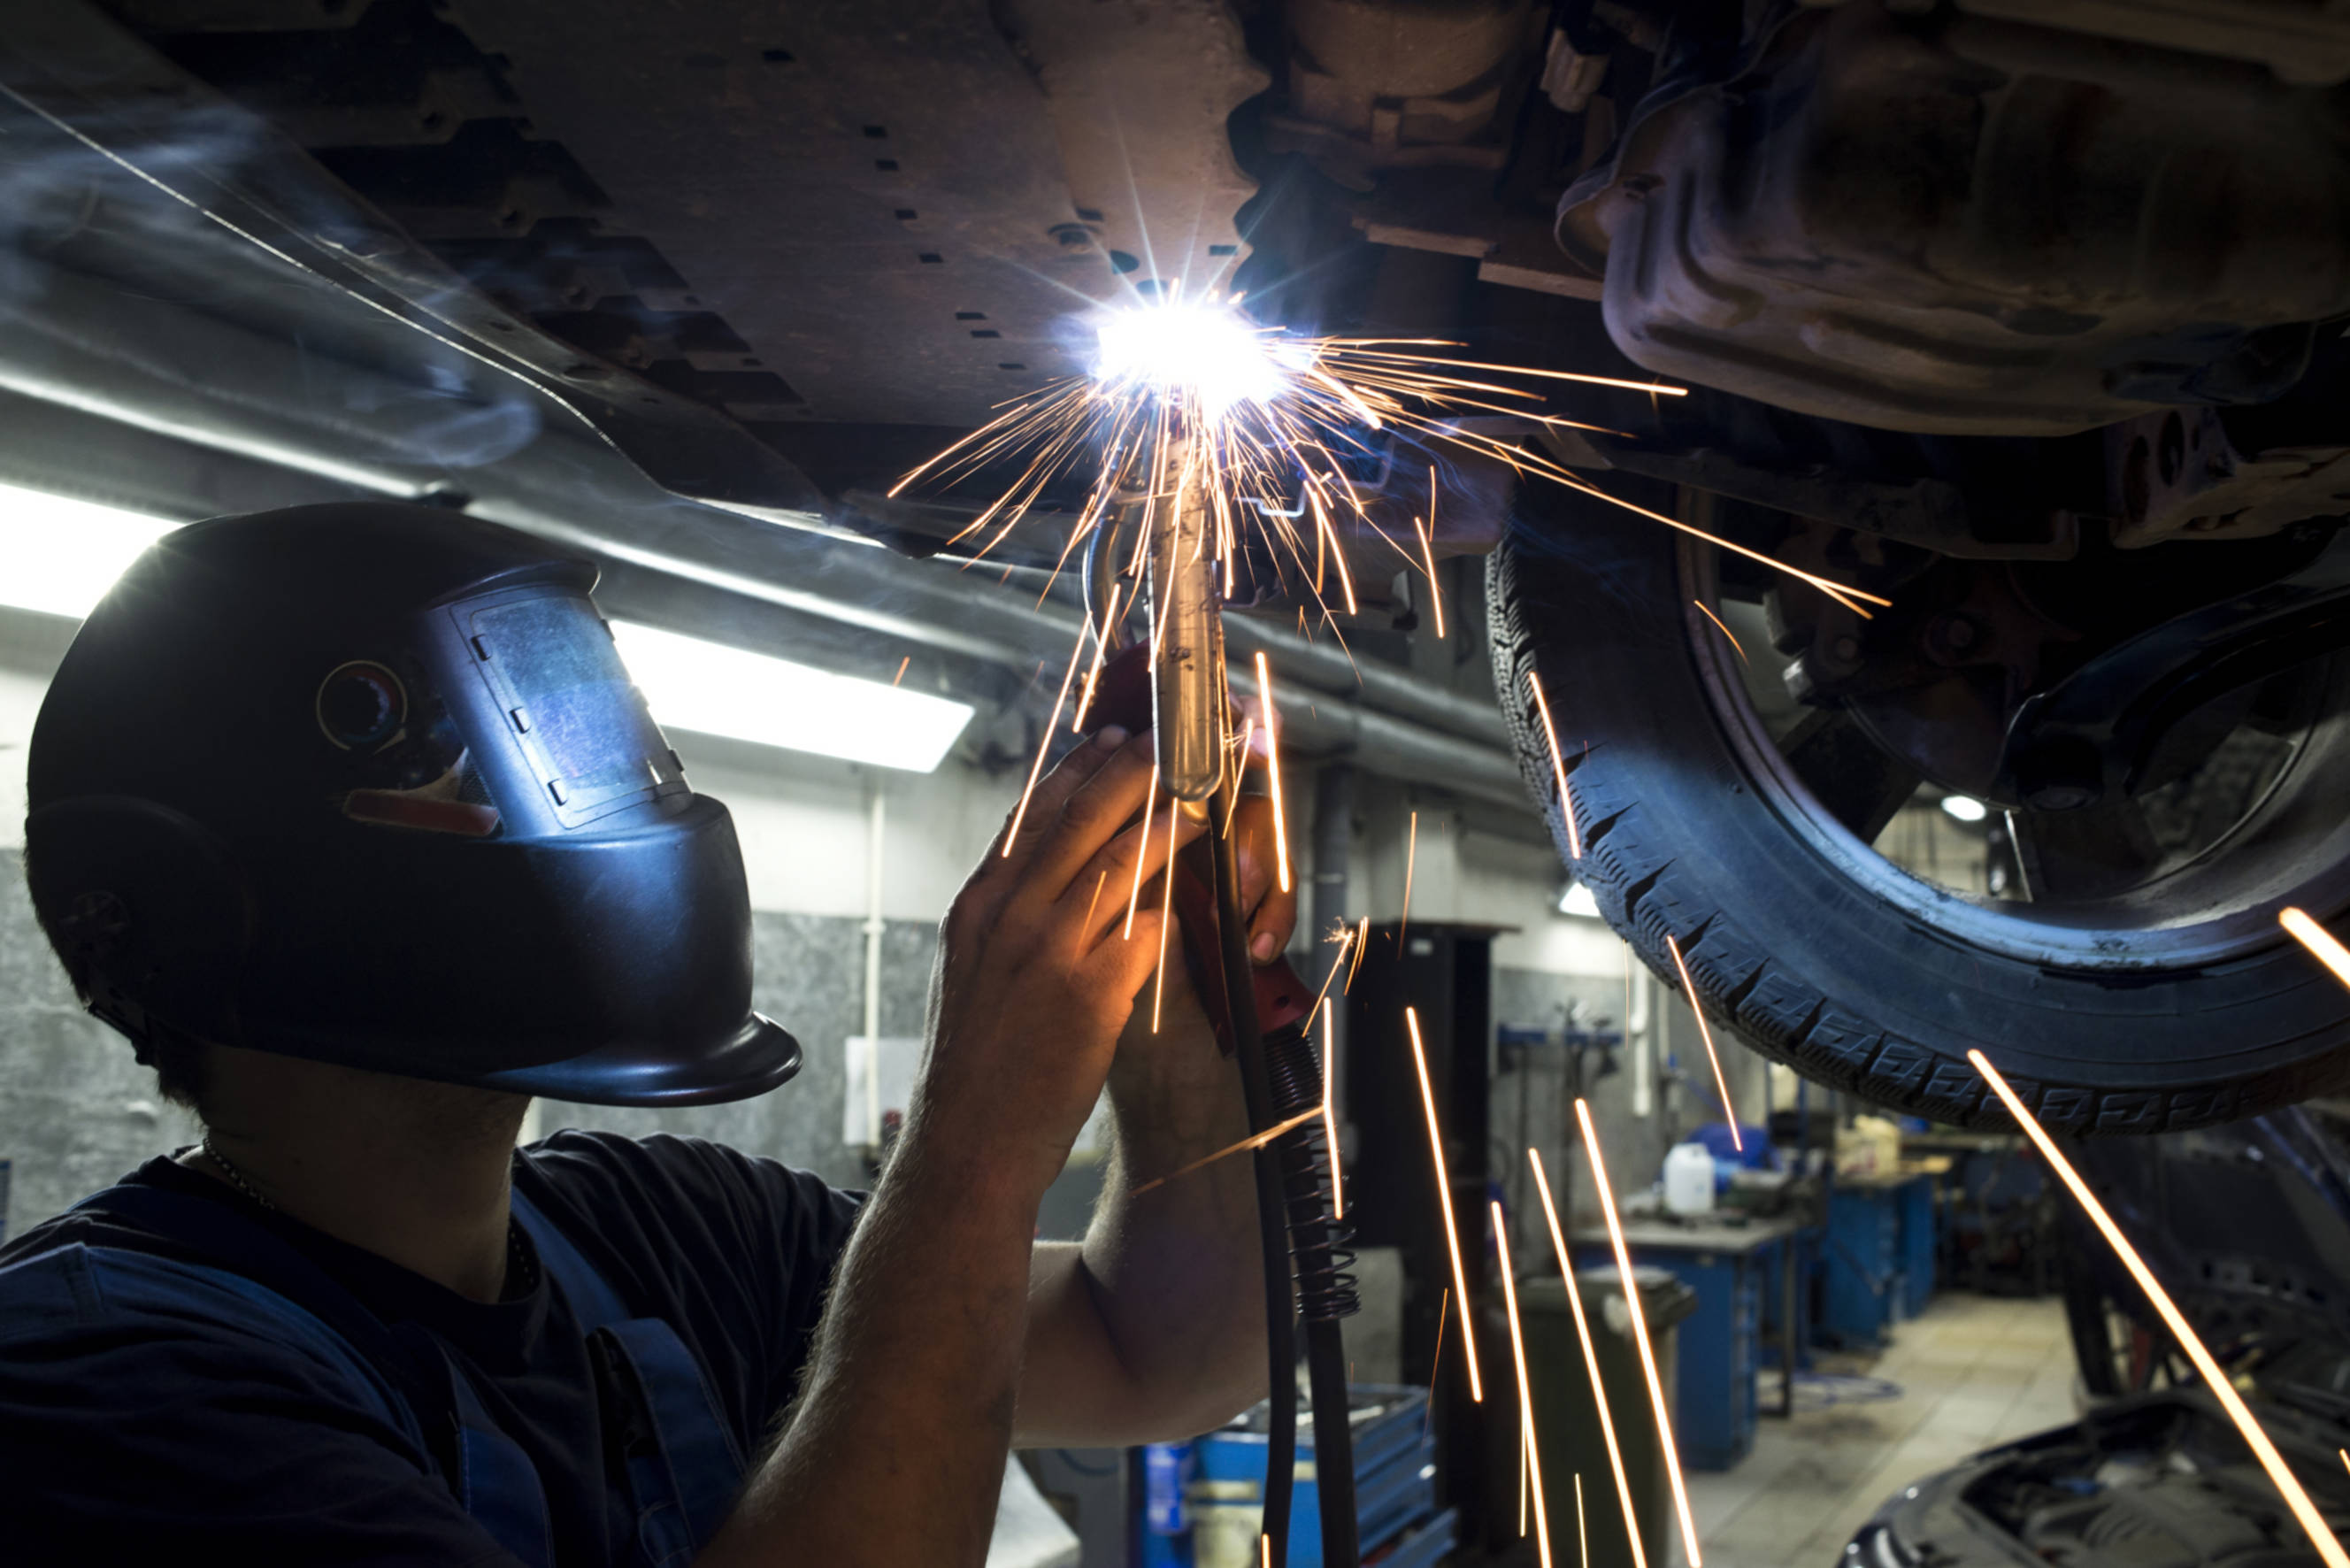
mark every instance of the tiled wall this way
{"type": "Point", "coordinates": [77, 1110]}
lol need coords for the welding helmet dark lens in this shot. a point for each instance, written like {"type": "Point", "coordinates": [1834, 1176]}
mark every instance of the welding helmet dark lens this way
{"type": "Point", "coordinates": [369, 785]}
{"type": "Point", "coordinates": [567, 699]}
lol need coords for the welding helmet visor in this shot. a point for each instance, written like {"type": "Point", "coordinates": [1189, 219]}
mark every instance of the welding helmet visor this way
{"type": "Point", "coordinates": [370, 785]}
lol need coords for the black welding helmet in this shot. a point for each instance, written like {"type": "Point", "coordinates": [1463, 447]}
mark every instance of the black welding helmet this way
{"type": "Point", "coordinates": [369, 785]}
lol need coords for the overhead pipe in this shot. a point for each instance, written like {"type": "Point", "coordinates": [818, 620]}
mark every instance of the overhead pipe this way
{"type": "Point", "coordinates": [144, 362]}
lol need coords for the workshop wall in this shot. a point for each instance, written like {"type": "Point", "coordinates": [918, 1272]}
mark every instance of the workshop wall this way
{"type": "Point", "coordinates": [77, 1110]}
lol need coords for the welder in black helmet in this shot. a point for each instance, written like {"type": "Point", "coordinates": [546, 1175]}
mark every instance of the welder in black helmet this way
{"type": "Point", "coordinates": [350, 818]}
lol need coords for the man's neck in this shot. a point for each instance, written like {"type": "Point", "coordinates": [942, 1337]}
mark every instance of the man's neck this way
{"type": "Point", "coordinates": [415, 1172]}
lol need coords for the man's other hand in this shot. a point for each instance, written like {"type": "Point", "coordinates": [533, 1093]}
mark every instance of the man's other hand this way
{"type": "Point", "coordinates": [1174, 1045]}
{"type": "Point", "coordinates": [1038, 972]}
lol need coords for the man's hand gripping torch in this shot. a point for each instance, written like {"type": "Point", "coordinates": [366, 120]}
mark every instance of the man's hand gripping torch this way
{"type": "Point", "coordinates": [1175, 683]}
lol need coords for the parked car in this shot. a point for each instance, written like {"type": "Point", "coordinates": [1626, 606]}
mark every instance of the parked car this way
{"type": "Point", "coordinates": [2245, 1226]}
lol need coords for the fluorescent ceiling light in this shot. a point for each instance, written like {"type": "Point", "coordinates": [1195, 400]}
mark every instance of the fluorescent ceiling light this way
{"type": "Point", "coordinates": [1577, 900]}
{"type": "Point", "coordinates": [61, 556]}
{"type": "Point", "coordinates": [691, 684]}
{"type": "Point", "coordinates": [1965, 807]}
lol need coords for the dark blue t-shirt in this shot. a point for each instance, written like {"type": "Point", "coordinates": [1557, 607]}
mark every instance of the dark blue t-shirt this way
{"type": "Point", "coordinates": [142, 1436]}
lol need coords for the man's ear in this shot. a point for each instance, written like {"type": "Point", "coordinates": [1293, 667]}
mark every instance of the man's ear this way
{"type": "Point", "coordinates": [146, 908]}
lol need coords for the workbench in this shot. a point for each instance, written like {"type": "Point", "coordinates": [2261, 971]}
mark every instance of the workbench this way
{"type": "Point", "coordinates": [1878, 1255]}
{"type": "Point", "coordinates": [1716, 1403]}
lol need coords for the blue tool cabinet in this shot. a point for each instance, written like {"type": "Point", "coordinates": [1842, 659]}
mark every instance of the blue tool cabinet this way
{"type": "Point", "coordinates": [1918, 1244]}
{"type": "Point", "coordinates": [1878, 1257]}
{"type": "Point", "coordinates": [1395, 1484]}
{"type": "Point", "coordinates": [1715, 1403]}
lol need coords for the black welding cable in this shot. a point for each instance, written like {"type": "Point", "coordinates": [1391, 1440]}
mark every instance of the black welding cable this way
{"type": "Point", "coordinates": [1326, 1291]}
{"type": "Point", "coordinates": [1273, 1226]}
{"type": "Point", "coordinates": [1334, 1443]}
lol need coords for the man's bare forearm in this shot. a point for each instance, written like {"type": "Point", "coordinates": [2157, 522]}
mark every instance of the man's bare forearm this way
{"type": "Point", "coordinates": [1177, 1271]}
{"type": "Point", "coordinates": [896, 1448]}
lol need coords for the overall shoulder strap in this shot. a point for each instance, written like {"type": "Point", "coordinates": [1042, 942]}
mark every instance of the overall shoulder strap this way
{"type": "Point", "coordinates": [494, 1480]}
{"type": "Point", "coordinates": [219, 1233]}
{"type": "Point", "coordinates": [686, 1474]}
{"type": "Point", "coordinates": [593, 1300]}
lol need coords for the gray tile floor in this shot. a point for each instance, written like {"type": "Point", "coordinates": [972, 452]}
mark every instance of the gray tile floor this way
{"type": "Point", "coordinates": [1971, 1370]}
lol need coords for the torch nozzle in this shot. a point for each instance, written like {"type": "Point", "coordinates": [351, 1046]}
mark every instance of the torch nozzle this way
{"type": "Point", "coordinates": [1189, 702]}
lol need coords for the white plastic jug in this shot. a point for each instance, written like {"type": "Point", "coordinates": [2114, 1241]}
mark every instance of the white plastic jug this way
{"type": "Point", "coordinates": [1689, 1179]}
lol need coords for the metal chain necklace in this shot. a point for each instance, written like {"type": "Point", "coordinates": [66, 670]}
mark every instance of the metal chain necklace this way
{"type": "Point", "coordinates": [236, 1178]}
{"type": "Point", "coordinates": [519, 1257]}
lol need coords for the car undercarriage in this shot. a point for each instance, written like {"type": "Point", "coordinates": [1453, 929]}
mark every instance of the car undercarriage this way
{"type": "Point", "coordinates": [2026, 318]}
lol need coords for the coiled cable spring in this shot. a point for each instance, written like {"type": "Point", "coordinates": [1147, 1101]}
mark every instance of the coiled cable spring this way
{"type": "Point", "coordinates": [1318, 1241]}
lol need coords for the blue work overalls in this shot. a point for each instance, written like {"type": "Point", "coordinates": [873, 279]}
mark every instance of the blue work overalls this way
{"type": "Point", "coordinates": [682, 1464]}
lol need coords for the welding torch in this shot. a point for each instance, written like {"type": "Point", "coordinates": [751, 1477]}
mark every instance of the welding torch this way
{"type": "Point", "coordinates": [1259, 1013]}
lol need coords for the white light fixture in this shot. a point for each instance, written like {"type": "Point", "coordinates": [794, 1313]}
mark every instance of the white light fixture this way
{"type": "Point", "coordinates": [1965, 807]}
{"type": "Point", "coordinates": [1577, 900]}
{"type": "Point", "coordinates": [691, 684]}
{"type": "Point", "coordinates": [59, 556]}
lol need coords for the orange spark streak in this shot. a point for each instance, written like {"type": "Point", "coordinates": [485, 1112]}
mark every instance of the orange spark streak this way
{"type": "Point", "coordinates": [1095, 902]}
{"type": "Point", "coordinates": [1273, 765]}
{"type": "Point", "coordinates": [1428, 560]}
{"type": "Point", "coordinates": [1254, 1140]}
{"type": "Point", "coordinates": [1436, 1363]}
{"type": "Point", "coordinates": [1323, 527]}
{"type": "Point", "coordinates": [901, 670]}
{"type": "Point", "coordinates": [2319, 941]}
{"type": "Point", "coordinates": [1101, 645]}
{"type": "Point", "coordinates": [1723, 629]}
{"type": "Point", "coordinates": [1533, 1448]}
{"type": "Point", "coordinates": [1411, 853]}
{"type": "Point", "coordinates": [1044, 744]}
{"type": "Point", "coordinates": [1362, 941]}
{"type": "Point", "coordinates": [1238, 767]}
{"type": "Point", "coordinates": [1329, 1120]}
{"type": "Point", "coordinates": [1705, 1033]}
{"type": "Point", "coordinates": [1265, 1550]}
{"type": "Point", "coordinates": [1835, 590]}
{"type": "Point", "coordinates": [1166, 916]}
{"type": "Point", "coordinates": [2345, 1457]}
{"type": "Point", "coordinates": [1640, 1332]}
{"type": "Point", "coordinates": [1444, 1198]}
{"type": "Point", "coordinates": [1652, 387]}
{"type": "Point", "coordinates": [2216, 1381]}
{"type": "Point", "coordinates": [1142, 851]}
{"type": "Point", "coordinates": [1346, 940]}
{"type": "Point", "coordinates": [1590, 1365]}
{"type": "Point", "coordinates": [1582, 1535]}
{"type": "Point", "coordinates": [1557, 768]}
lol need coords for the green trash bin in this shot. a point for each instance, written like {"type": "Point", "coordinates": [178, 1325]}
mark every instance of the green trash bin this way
{"type": "Point", "coordinates": [1566, 1419]}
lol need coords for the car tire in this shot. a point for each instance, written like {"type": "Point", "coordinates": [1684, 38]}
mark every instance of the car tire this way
{"type": "Point", "coordinates": [1867, 981]}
